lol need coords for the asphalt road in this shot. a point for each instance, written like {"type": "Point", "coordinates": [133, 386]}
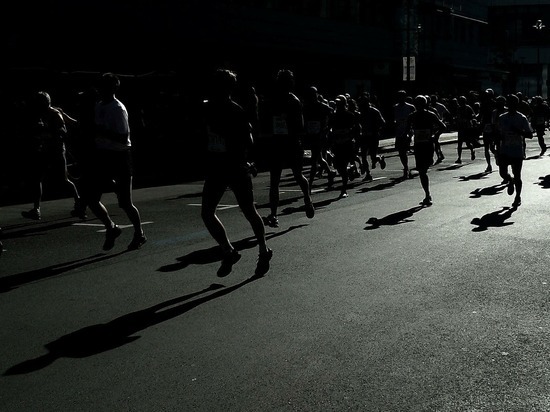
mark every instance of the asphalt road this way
{"type": "Point", "coordinates": [375, 304]}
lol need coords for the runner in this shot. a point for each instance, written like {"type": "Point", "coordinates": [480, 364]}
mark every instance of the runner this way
{"type": "Point", "coordinates": [465, 123]}
{"type": "Point", "coordinates": [445, 116]}
{"type": "Point", "coordinates": [488, 105]}
{"type": "Point", "coordinates": [539, 118]}
{"type": "Point", "coordinates": [372, 123]}
{"type": "Point", "coordinates": [229, 140]}
{"type": "Point", "coordinates": [425, 125]}
{"type": "Point", "coordinates": [284, 114]}
{"type": "Point", "coordinates": [514, 128]}
{"type": "Point", "coordinates": [342, 132]}
{"type": "Point", "coordinates": [316, 115]}
{"type": "Point", "coordinates": [401, 111]}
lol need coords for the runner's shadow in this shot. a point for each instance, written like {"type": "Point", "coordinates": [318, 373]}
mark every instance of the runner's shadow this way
{"type": "Point", "coordinates": [382, 186]}
{"type": "Point", "coordinates": [282, 202]}
{"type": "Point", "coordinates": [318, 205]}
{"type": "Point", "coordinates": [30, 229]}
{"type": "Point", "coordinates": [214, 253]}
{"type": "Point", "coordinates": [487, 191]}
{"type": "Point", "coordinates": [494, 219]}
{"type": "Point", "coordinates": [102, 337]}
{"type": "Point", "coordinates": [544, 182]}
{"type": "Point", "coordinates": [451, 167]}
{"type": "Point", "coordinates": [393, 219]}
{"type": "Point", "coordinates": [11, 282]}
{"type": "Point", "coordinates": [477, 176]}
{"type": "Point", "coordinates": [187, 196]}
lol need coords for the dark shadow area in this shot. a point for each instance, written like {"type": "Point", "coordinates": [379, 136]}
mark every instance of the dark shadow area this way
{"type": "Point", "coordinates": [188, 196]}
{"type": "Point", "coordinates": [534, 157]}
{"type": "Point", "coordinates": [544, 182]}
{"type": "Point", "coordinates": [452, 167]}
{"type": "Point", "coordinates": [487, 191]}
{"type": "Point", "coordinates": [11, 282]}
{"type": "Point", "coordinates": [36, 228]}
{"type": "Point", "coordinates": [282, 202]}
{"type": "Point", "coordinates": [318, 205]}
{"type": "Point", "coordinates": [382, 186]}
{"type": "Point", "coordinates": [214, 254]}
{"type": "Point", "coordinates": [494, 219]}
{"type": "Point", "coordinates": [397, 218]}
{"type": "Point", "coordinates": [476, 176]}
{"type": "Point", "coordinates": [95, 339]}
{"type": "Point", "coordinates": [302, 208]}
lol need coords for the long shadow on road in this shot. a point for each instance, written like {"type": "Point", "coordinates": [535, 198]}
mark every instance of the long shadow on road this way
{"type": "Point", "coordinates": [487, 191]}
{"type": "Point", "coordinates": [397, 218]}
{"type": "Point", "coordinates": [11, 282]}
{"type": "Point", "coordinates": [213, 254]}
{"type": "Point", "coordinates": [498, 218]}
{"type": "Point", "coordinates": [95, 339]}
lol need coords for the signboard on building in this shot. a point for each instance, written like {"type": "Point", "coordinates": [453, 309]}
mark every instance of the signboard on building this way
{"type": "Point", "coordinates": [409, 68]}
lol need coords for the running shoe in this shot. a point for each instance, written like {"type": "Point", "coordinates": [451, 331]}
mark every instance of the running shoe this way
{"type": "Point", "coordinates": [543, 150]}
{"type": "Point", "coordinates": [110, 237]}
{"type": "Point", "coordinates": [517, 201]}
{"type": "Point", "coordinates": [271, 221]}
{"type": "Point", "coordinates": [473, 156]}
{"type": "Point", "coordinates": [137, 242]}
{"type": "Point", "coordinates": [33, 214]}
{"type": "Point", "coordinates": [382, 162]}
{"type": "Point", "coordinates": [343, 195]}
{"type": "Point", "coordinates": [367, 178]}
{"type": "Point", "coordinates": [458, 161]}
{"type": "Point", "coordinates": [262, 267]}
{"type": "Point", "coordinates": [310, 210]}
{"type": "Point", "coordinates": [489, 169]}
{"type": "Point", "coordinates": [427, 201]}
{"type": "Point", "coordinates": [510, 187]}
{"type": "Point", "coordinates": [228, 261]}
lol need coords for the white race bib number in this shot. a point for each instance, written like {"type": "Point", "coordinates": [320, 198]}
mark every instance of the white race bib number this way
{"type": "Point", "coordinates": [279, 125]}
{"type": "Point", "coordinates": [216, 143]}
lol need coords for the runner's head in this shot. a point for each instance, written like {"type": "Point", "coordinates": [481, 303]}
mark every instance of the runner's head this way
{"type": "Point", "coordinates": [312, 95]}
{"type": "Point", "coordinates": [513, 102]}
{"type": "Point", "coordinates": [420, 102]}
{"type": "Point", "coordinates": [285, 80]}
{"type": "Point", "coordinates": [341, 102]}
{"type": "Point", "coordinates": [224, 83]}
{"type": "Point", "coordinates": [42, 101]}
{"type": "Point", "coordinates": [401, 96]}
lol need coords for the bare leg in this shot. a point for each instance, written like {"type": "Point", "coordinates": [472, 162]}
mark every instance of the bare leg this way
{"type": "Point", "coordinates": [245, 198]}
{"type": "Point", "coordinates": [211, 196]}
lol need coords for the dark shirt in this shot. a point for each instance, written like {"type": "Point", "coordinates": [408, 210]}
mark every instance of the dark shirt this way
{"type": "Point", "coordinates": [228, 137]}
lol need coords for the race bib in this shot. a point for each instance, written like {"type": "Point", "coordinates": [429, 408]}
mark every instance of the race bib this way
{"type": "Point", "coordinates": [340, 136]}
{"type": "Point", "coordinates": [279, 125]}
{"type": "Point", "coordinates": [313, 127]}
{"type": "Point", "coordinates": [422, 135]}
{"type": "Point", "coordinates": [216, 143]}
{"type": "Point", "coordinates": [539, 121]}
{"type": "Point", "coordinates": [512, 145]}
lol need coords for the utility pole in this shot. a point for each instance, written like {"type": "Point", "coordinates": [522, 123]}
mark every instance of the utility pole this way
{"type": "Point", "coordinates": [538, 26]}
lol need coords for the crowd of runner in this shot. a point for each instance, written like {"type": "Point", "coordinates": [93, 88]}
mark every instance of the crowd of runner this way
{"type": "Point", "coordinates": [341, 132]}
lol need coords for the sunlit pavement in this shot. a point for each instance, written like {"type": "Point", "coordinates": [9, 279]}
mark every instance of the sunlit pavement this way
{"type": "Point", "coordinates": [375, 304]}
